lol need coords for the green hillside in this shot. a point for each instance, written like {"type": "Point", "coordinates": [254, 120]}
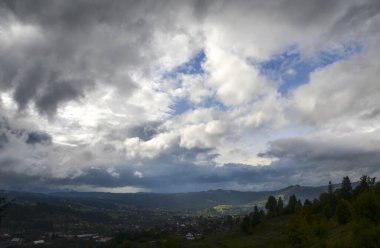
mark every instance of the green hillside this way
{"type": "Point", "coordinates": [269, 234]}
{"type": "Point", "coordinates": [344, 218]}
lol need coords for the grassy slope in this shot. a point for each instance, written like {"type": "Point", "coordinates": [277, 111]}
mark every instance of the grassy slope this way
{"type": "Point", "coordinates": [268, 234]}
{"type": "Point", "coordinates": [272, 233]}
{"type": "Point", "coordinates": [339, 236]}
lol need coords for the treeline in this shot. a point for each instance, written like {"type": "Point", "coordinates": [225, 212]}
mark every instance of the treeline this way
{"type": "Point", "coordinates": [44, 217]}
{"type": "Point", "coordinates": [352, 216]}
{"type": "Point", "coordinates": [274, 207]}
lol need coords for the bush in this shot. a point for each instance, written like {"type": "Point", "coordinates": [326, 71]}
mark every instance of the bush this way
{"type": "Point", "coordinates": [343, 212]}
{"type": "Point", "coordinates": [367, 205]}
{"type": "Point", "coordinates": [367, 237]}
{"type": "Point", "coordinates": [298, 233]}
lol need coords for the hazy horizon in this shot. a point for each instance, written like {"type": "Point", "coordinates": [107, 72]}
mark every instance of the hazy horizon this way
{"type": "Point", "coordinates": [187, 96]}
{"type": "Point", "coordinates": [45, 191]}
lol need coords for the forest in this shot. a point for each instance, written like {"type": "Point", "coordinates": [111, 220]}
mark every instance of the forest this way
{"type": "Point", "coordinates": [344, 217]}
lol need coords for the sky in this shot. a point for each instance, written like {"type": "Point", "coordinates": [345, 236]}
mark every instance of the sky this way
{"type": "Point", "coordinates": [178, 96]}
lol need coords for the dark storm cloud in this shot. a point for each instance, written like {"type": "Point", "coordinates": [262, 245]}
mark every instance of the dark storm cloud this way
{"type": "Point", "coordinates": [65, 47]}
{"type": "Point", "coordinates": [144, 132]}
{"type": "Point", "coordinates": [47, 91]}
{"type": "Point", "coordinates": [300, 149]}
{"type": "Point", "coordinates": [168, 173]}
{"type": "Point", "coordinates": [176, 178]}
{"type": "Point", "coordinates": [56, 93]}
{"type": "Point", "coordinates": [334, 156]}
{"type": "Point", "coordinates": [300, 161]}
{"type": "Point", "coordinates": [7, 131]}
{"type": "Point", "coordinates": [38, 138]}
{"type": "Point", "coordinates": [171, 173]}
{"type": "Point", "coordinates": [3, 140]}
{"type": "Point", "coordinates": [13, 180]}
{"type": "Point", "coordinates": [182, 177]}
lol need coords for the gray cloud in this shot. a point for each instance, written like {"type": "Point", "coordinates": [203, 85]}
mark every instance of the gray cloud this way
{"type": "Point", "coordinates": [321, 157]}
{"type": "Point", "coordinates": [66, 47]}
{"type": "Point", "coordinates": [9, 132]}
{"type": "Point", "coordinates": [3, 140]}
{"type": "Point", "coordinates": [303, 160]}
{"type": "Point", "coordinates": [98, 55]}
{"type": "Point", "coordinates": [38, 137]}
{"type": "Point", "coordinates": [144, 132]}
{"type": "Point", "coordinates": [180, 177]}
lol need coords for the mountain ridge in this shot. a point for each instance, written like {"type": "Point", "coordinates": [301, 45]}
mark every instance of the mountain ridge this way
{"type": "Point", "coordinates": [169, 201]}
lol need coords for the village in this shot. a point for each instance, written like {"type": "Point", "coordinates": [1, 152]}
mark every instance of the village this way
{"type": "Point", "coordinates": [186, 227]}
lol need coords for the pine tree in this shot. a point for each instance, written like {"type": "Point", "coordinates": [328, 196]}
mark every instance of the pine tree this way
{"type": "Point", "coordinates": [280, 206]}
{"type": "Point", "coordinates": [291, 207]}
{"type": "Point", "coordinates": [346, 189]}
{"type": "Point", "coordinates": [330, 188]}
{"type": "Point", "coordinates": [3, 207]}
{"type": "Point", "coordinates": [271, 205]}
{"type": "Point", "coordinates": [365, 184]}
{"type": "Point", "coordinates": [255, 217]}
{"type": "Point", "coordinates": [245, 225]}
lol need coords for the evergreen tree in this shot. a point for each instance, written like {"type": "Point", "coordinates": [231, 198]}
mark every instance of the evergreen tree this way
{"type": "Point", "coordinates": [365, 184]}
{"type": "Point", "coordinates": [280, 206]}
{"type": "Point", "coordinates": [307, 203]}
{"type": "Point", "coordinates": [255, 217]}
{"type": "Point", "coordinates": [330, 188]}
{"type": "Point", "coordinates": [367, 205]}
{"type": "Point", "coordinates": [245, 225]}
{"type": "Point", "coordinates": [346, 189]}
{"type": "Point", "coordinates": [271, 205]}
{"type": "Point", "coordinates": [328, 204]}
{"type": "Point", "coordinates": [255, 209]}
{"type": "Point", "coordinates": [307, 210]}
{"type": "Point", "coordinates": [291, 207]}
{"type": "Point", "coordinates": [262, 213]}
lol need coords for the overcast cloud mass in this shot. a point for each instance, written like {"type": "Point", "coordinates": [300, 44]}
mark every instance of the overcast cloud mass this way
{"type": "Point", "coordinates": [171, 96]}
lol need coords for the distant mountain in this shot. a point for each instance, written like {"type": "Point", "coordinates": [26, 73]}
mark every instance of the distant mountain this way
{"type": "Point", "coordinates": [172, 202]}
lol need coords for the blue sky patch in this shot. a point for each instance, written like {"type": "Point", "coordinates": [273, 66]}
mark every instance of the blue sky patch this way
{"type": "Point", "coordinates": [181, 105]}
{"type": "Point", "coordinates": [193, 66]}
{"type": "Point", "coordinates": [291, 69]}
{"type": "Point", "coordinates": [213, 101]}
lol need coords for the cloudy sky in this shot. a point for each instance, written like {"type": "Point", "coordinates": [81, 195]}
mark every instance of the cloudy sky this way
{"type": "Point", "coordinates": [174, 96]}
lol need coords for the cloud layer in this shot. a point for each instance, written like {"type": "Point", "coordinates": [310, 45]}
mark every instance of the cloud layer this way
{"type": "Point", "coordinates": [187, 95]}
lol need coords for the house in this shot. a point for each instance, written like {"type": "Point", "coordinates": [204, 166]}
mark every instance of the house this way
{"type": "Point", "coordinates": [86, 236]}
{"type": "Point", "coordinates": [16, 240]}
{"type": "Point", "coordinates": [104, 239]}
{"type": "Point", "coordinates": [38, 242]}
{"type": "Point", "coordinates": [190, 236]}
